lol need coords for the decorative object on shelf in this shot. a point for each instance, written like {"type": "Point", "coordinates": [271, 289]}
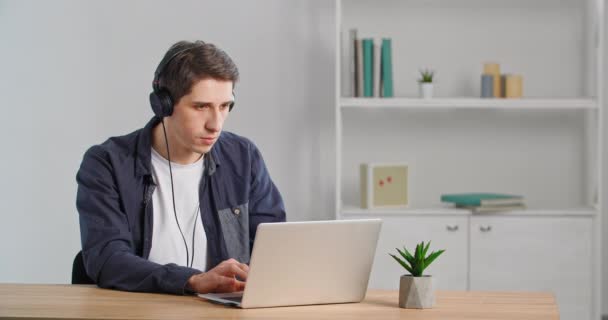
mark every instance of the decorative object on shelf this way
{"type": "Point", "coordinates": [487, 86]}
{"type": "Point", "coordinates": [426, 83]}
{"type": "Point", "coordinates": [485, 202]}
{"type": "Point", "coordinates": [384, 185]}
{"type": "Point", "coordinates": [513, 86]}
{"type": "Point", "coordinates": [493, 69]}
{"type": "Point", "coordinates": [416, 290]}
{"type": "Point", "coordinates": [504, 85]}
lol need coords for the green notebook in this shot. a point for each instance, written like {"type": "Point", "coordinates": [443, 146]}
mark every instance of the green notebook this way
{"type": "Point", "coordinates": [387, 68]}
{"type": "Point", "coordinates": [368, 67]}
{"type": "Point", "coordinates": [479, 199]}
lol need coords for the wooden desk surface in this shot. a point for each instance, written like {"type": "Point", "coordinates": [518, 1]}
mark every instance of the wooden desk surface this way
{"type": "Point", "coordinates": [89, 302]}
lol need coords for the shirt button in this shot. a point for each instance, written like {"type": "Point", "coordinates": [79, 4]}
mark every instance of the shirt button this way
{"type": "Point", "coordinates": [237, 211]}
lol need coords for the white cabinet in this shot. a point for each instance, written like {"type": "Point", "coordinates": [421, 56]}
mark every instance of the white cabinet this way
{"type": "Point", "coordinates": [500, 252]}
{"type": "Point", "coordinates": [449, 233]}
{"type": "Point", "coordinates": [517, 253]}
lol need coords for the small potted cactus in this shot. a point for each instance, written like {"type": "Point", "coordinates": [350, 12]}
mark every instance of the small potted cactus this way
{"type": "Point", "coordinates": [426, 83]}
{"type": "Point", "coordinates": [416, 291]}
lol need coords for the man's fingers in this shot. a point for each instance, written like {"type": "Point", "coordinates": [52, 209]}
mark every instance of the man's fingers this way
{"type": "Point", "coordinates": [244, 267]}
{"type": "Point", "coordinates": [239, 285]}
{"type": "Point", "coordinates": [230, 284]}
{"type": "Point", "coordinates": [236, 270]}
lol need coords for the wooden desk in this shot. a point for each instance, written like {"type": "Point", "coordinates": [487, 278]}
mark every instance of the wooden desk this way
{"type": "Point", "coordinates": [89, 302]}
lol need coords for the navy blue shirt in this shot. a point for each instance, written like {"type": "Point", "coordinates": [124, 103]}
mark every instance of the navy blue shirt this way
{"type": "Point", "coordinates": [114, 202]}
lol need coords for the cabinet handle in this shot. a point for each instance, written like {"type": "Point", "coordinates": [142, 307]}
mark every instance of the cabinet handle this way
{"type": "Point", "coordinates": [485, 229]}
{"type": "Point", "coordinates": [452, 228]}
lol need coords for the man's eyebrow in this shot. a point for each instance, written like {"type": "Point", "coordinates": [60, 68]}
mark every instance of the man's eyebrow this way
{"type": "Point", "coordinates": [208, 103]}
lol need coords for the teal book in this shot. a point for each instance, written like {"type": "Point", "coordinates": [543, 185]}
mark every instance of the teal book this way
{"type": "Point", "coordinates": [387, 68]}
{"type": "Point", "coordinates": [368, 69]}
{"type": "Point", "coordinates": [481, 199]}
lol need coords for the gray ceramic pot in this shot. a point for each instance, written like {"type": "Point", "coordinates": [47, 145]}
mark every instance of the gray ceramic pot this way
{"type": "Point", "coordinates": [416, 292]}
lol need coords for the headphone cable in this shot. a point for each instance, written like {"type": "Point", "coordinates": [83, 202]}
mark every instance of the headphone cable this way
{"type": "Point", "coordinates": [173, 198]}
{"type": "Point", "coordinates": [198, 208]}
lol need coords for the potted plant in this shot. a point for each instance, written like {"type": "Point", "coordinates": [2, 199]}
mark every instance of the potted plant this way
{"type": "Point", "coordinates": [426, 83]}
{"type": "Point", "coordinates": [416, 291]}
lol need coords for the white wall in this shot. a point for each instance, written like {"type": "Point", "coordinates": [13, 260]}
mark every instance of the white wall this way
{"type": "Point", "coordinates": [76, 72]}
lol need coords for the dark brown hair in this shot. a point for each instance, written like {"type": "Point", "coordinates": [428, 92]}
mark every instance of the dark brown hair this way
{"type": "Point", "coordinates": [195, 61]}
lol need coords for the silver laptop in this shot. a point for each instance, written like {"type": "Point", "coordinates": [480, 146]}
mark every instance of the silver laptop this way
{"type": "Point", "coordinates": [303, 263]}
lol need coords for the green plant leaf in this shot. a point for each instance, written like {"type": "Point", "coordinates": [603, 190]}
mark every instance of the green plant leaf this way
{"type": "Point", "coordinates": [408, 253]}
{"type": "Point", "coordinates": [419, 259]}
{"type": "Point", "coordinates": [410, 257]}
{"type": "Point", "coordinates": [426, 75]}
{"type": "Point", "coordinates": [407, 256]}
{"type": "Point", "coordinates": [416, 264]}
{"type": "Point", "coordinates": [433, 256]}
{"type": "Point", "coordinates": [422, 267]}
{"type": "Point", "coordinates": [426, 248]}
{"type": "Point", "coordinates": [402, 263]}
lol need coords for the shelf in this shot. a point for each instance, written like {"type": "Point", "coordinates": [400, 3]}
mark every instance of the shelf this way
{"type": "Point", "coordinates": [470, 103]}
{"type": "Point", "coordinates": [405, 211]}
{"type": "Point", "coordinates": [449, 211]}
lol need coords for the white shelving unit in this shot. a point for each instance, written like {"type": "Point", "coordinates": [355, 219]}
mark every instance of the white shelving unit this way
{"type": "Point", "coordinates": [470, 103]}
{"type": "Point", "coordinates": [553, 137]}
{"type": "Point", "coordinates": [571, 212]}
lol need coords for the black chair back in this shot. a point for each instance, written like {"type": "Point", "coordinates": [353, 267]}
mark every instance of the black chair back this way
{"type": "Point", "coordinates": [79, 275]}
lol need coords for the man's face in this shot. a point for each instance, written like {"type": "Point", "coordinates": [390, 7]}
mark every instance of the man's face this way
{"type": "Point", "coordinates": [199, 116]}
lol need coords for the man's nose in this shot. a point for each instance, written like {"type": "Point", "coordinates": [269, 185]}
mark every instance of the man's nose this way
{"type": "Point", "coordinates": [214, 122]}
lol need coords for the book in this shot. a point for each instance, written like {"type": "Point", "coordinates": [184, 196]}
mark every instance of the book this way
{"type": "Point", "coordinates": [376, 67]}
{"type": "Point", "coordinates": [479, 199]}
{"type": "Point", "coordinates": [368, 67]}
{"type": "Point", "coordinates": [347, 68]}
{"type": "Point", "coordinates": [491, 209]}
{"type": "Point", "coordinates": [352, 66]}
{"type": "Point", "coordinates": [359, 68]}
{"type": "Point", "coordinates": [387, 68]}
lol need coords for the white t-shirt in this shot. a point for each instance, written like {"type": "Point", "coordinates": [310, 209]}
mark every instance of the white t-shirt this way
{"type": "Point", "coordinates": [167, 243]}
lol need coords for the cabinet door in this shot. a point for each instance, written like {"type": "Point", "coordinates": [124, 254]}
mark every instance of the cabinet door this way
{"type": "Point", "coordinates": [535, 254]}
{"type": "Point", "coordinates": [449, 233]}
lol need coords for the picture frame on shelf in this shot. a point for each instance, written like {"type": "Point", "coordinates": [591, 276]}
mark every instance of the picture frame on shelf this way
{"type": "Point", "coordinates": [384, 185]}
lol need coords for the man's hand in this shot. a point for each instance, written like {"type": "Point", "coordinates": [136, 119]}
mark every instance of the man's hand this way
{"type": "Point", "coordinates": [221, 279]}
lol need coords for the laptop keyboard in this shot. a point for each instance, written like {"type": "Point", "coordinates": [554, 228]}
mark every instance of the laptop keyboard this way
{"type": "Point", "coordinates": [235, 299]}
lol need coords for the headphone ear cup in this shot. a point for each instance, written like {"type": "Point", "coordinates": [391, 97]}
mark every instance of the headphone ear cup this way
{"type": "Point", "coordinates": [161, 103]}
{"type": "Point", "coordinates": [156, 105]}
{"type": "Point", "coordinates": [233, 101]}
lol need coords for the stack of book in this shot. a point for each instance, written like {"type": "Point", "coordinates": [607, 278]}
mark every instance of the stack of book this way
{"type": "Point", "coordinates": [370, 66]}
{"type": "Point", "coordinates": [485, 202]}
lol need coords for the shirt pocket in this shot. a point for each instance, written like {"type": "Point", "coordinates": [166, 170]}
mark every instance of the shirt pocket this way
{"type": "Point", "coordinates": [234, 222]}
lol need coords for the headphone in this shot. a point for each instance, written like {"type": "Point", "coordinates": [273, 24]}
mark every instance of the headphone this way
{"type": "Point", "coordinates": [160, 99]}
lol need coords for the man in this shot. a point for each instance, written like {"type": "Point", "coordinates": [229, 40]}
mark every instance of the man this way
{"type": "Point", "coordinates": [163, 204]}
